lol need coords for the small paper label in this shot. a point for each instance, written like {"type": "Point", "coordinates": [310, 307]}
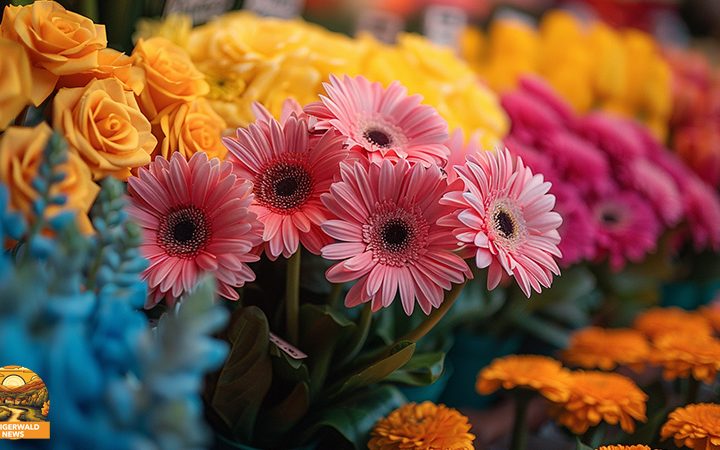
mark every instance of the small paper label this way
{"type": "Point", "coordinates": [283, 9]}
{"type": "Point", "coordinates": [283, 345]}
{"type": "Point", "coordinates": [200, 10]}
{"type": "Point", "coordinates": [384, 26]}
{"type": "Point", "coordinates": [444, 24]}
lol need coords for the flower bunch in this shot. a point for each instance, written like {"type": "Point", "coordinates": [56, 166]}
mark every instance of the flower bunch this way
{"type": "Point", "coordinates": [115, 111]}
{"type": "Point", "coordinates": [69, 307]}
{"type": "Point", "coordinates": [618, 188]}
{"type": "Point", "coordinates": [591, 65]}
{"type": "Point", "coordinates": [248, 59]}
{"type": "Point", "coordinates": [696, 109]}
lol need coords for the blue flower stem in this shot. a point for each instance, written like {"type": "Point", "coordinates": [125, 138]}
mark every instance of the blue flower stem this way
{"type": "Point", "coordinates": [292, 297]}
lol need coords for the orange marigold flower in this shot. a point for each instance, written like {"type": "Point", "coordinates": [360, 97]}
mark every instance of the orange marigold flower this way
{"type": "Point", "coordinates": [423, 426]}
{"type": "Point", "coordinates": [657, 321]}
{"type": "Point", "coordinates": [682, 355]}
{"type": "Point", "coordinates": [712, 314]}
{"type": "Point", "coordinates": [539, 373]}
{"type": "Point", "coordinates": [694, 426]}
{"type": "Point", "coordinates": [625, 447]}
{"type": "Point", "coordinates": [601, 397]}
{"type": "Point", "coordinates": [605, 349]}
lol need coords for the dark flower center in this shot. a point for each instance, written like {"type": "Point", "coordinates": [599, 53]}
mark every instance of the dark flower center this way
{"type": "Point", "coordinates": [284, 186]}
{"type": "Point", "coordinates": [610, 217]}
{"type": "Point", "coordinates": [505, 224]}
{"type": "Point", "coordinates": [184, 231]}
{"type": "Point", "coordinates": [395, 235]}
{"type": "Point", "coordinates": [378, 137]}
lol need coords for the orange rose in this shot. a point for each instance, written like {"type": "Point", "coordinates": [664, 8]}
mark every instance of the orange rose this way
{"type": "Point", "coordinates": [190, 128]}
{"type": "Point", "coordinates": [15, 79]}
{"type": "Point", "coordinates": [111, 64]}
{"type": "Point", "coordinates": [58, 42]}
{"type": "Point", "coordinates": [171, 77]}
{"type": "Point", "coordinates": [103, 124]}
{"type": "Point", "coordinates": [21, 150]}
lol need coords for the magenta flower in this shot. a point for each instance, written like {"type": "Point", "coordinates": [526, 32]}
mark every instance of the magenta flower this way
{"type": "Point", "coordinates": [195, 219]}
{"type": "Point", "coordinates": [627, 228]}
{"type": "Point", "coordinates": [389, 239]}
{"type": "Point", "coordinates": [289, 169]}
{"type": "Point", "coordinates": [538, 88]}
{"type": "Point", "coordinates": [382, 123]}
{"type": "Point", "coordinates": [531, 119]}
{"type": "Point", "coordinates": [504, 215]}
{"type": "Point", "coordinates": [577, 231]}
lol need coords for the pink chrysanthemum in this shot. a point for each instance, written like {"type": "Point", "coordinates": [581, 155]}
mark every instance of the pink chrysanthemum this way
{"type": "Point", "coordinates": [531, 119]}
{"type": "Point", "coordinates": [389, 237]}
{"type": "Point", "coordinates": [505, 216]}
{"type": "Point", "coordinates": [578, 161]}
{"type": "Point", "coordinates": [577, 230]}
{"type": "Point", "coordinates": [657, 186]}
{"type": "Point", "coordinates": [613, 135]}
{"type": "Point", "coordinates": [459, 151]}
{"type": "Point", "coordinates": [195, 219]}
{"type": "Point", "coordinates": [538, 88]}
{"type": "Point", "coordinates": [382, 123]}
{"type": "Point", "coordinates": [703, 213]}
{"type": "Point", "coordinates": [627, 228]}
{"type": "Point", "coordinates": [289, 168]}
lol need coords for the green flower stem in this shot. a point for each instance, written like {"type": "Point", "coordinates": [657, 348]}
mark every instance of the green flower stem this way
{"type": "Point", "coordinates": [519, 432]}
{"type": "Point", "coordinates": [335, 293]}
{"type": "Point", "coordinates": [359, 338]}
{"type": "Point", "coordinates": [292, 294]}
{"type": "Point", "coordinates": [434, 317]}
{"type": "Point", "coordinates": [595, 436]}
{"type": "Point", "coordinates": [693, 387]}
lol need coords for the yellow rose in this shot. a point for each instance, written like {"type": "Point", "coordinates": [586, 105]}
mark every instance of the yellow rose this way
{"type": "Point", "coordinates": [103, 124]}
{"type": "Point", "coordinates": [15, 79]}
{"type": "Point", "coordinates": [170, 76]}
{"type": "Point", "coordinates": [111, 64]}
{"type": "Point", "coordinates": [21, 151]}
{"type": "Point", "coordinates": [58, 42]}
{"type": "Point", "coordinates": [190, 128]}
{"type": "Point", "coordinates": [175, 28]}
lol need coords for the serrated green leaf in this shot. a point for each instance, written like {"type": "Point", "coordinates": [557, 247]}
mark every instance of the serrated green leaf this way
{"type": "Point", "coordinates": [355, 415]}
{"type": "Point", "coordinates": [246, 377]}
{"type": "Point", "coordinates": [421, 370]}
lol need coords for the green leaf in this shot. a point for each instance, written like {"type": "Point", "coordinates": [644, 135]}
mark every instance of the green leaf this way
{"type": "Point", "coordinates": [378, 370]}
{"type": "Point", "coordinates": [286, 414]}
{"type": "Point", "coordinates": [322, 328]}
{"type": "Point", "coordinates": [580, 446]}
{"type": "Point", "coordinates": [246, 377]}
{"type": "Point", "coordinates": [355, 415]}
{"type": "Point", "coordinates": [421, 370]}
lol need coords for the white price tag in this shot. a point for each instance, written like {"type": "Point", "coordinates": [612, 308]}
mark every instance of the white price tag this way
{"type": "Point", "coordinates": [382, 25]}
{"type": "Point", "coordinates": [443, 25]}
{"type": "Point", "coordinates": [285, 346]}
{"type": "Point", "coordinates": [283, 9]}
{"type": "Point", "coordinates": [200, 10]}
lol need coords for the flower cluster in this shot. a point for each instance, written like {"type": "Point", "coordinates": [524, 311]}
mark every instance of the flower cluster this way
{"type": "Point", "coordinates": [579, 399]}
{"type": "Point", "coordinates": [696, 110]}
{"type": "Point", "coordinates": [69, 307]}
{"type": "Point", "coordinates": [590, 64]}
{"type": "Point", "coordinates": [617, 187]}
{"type": "Point", "coordinates": [115, 111]}
{"type": "Point", "coordinates": [358, 177]}
{"type": "Point", "coordinates": [248, 59]}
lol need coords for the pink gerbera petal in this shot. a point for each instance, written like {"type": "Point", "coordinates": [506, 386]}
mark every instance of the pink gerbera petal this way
{"type": "Point", "coordinates": [390, 245]}
{"type": "Point", "coordinates": [193, 215]}
{"type": "Point", "coordinates": [510, 211]}
{"type": "Point", "coordinates": [381, 123]}
{"type": "Point", "coordinates": [290, 168]}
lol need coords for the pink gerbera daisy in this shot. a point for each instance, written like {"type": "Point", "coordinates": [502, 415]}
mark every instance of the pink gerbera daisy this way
{"type": "Point", "coordinates": [389, 237]}
{"type": "Point", "coordinates": [538, 88]}
{"type": "Point", "coordinates": [459, 151]}
{"type": "Point", "coordinates": [505, 216]}
{"type": "Point", "coordinates": [195, 219]}
{"type": "Point", "coordinates": [289, 168]}
{"type": "Point", "coordinates": [627, 228]}
{"type": "Point", "coordinates": [382, 123]}
{"type": "Point", "coordinates": [531, 119]}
